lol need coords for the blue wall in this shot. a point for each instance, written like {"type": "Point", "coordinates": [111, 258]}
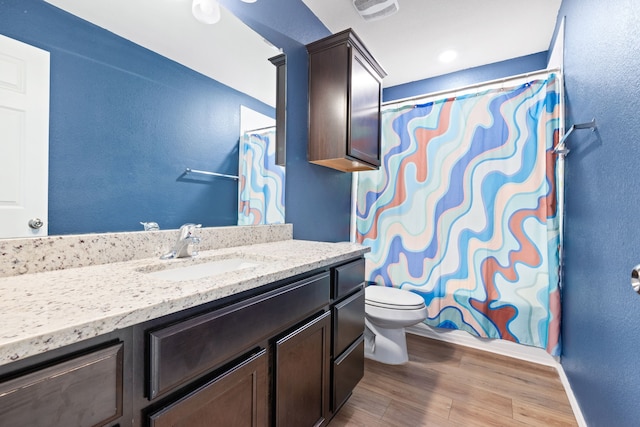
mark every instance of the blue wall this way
{"type": "Point", "coordinates": [124, 124]}
{"type": "Point", "coordinates": [601, 313]}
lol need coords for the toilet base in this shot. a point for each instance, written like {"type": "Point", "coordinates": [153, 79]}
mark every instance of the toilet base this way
{"type": "Point", "coordinates": [385, 345]}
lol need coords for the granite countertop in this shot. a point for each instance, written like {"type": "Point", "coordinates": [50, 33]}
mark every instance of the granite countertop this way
{"type": "Point", "coordinates": [44, 311]}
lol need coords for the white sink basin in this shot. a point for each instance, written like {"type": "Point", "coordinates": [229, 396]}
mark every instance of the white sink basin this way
{"type": "Point", "coordinates": [205, 268]}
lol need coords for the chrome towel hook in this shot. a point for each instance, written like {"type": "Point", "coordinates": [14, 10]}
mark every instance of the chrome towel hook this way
{"type": "Point", "coordinates": [561, 148]}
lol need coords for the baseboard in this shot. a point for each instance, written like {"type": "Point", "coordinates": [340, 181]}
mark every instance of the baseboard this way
{"type": "Point", "coordinates": [572, 397]}
{"type": "Point", "coordinates": [506, 348]}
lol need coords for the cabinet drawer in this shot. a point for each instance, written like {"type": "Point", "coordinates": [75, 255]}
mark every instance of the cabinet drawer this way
{"type": "Point", "coordinates": [238, 398]}
{"type": "Point", "coordinates": [187, 349]}
{"type": "Point", "coordinates": [348, 322]}
{"type": "Point", "coordinates": [347, 277]}
{"type": "Point", "coordinates": [348, 370]}
{"type": "Point", "coordinates": [83, 391]}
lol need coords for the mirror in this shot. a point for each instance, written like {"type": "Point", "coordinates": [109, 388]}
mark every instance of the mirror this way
{"type": "Point", "coordinates": [125, 122]}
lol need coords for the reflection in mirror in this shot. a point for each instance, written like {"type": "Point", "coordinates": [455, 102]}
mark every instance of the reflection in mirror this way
{"type": "Point", "coordinates": [261, 183]}
{"type": "Point", "coordinates": [280, 61]}
{"type": "Point", "coordinates": [126, 120]}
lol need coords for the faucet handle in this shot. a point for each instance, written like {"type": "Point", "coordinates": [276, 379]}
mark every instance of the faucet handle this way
{"type": "Point", "coordinates": [186, 230]}
{"type": "Point", "coordinates": [192, 225]}
{"type": "Point", "coordinates": [150, 226]}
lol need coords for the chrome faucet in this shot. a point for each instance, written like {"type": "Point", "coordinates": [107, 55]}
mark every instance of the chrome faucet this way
{"type": "Point", "coordinates": [184, 245]}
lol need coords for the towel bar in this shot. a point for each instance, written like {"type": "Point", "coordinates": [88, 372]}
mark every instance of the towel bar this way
{"type": "Point", "coordinates": [222, 175]}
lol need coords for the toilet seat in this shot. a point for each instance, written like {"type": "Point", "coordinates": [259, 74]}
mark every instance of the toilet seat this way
{"type": "Point", "coordinates": [392, 298]}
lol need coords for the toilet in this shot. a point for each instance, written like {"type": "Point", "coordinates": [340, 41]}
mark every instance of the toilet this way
{"type": "Point", "coordinates": [387, 312]}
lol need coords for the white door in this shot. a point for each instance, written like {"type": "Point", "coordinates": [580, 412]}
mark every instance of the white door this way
{"type": "Point", "coordinates": [24, 139]}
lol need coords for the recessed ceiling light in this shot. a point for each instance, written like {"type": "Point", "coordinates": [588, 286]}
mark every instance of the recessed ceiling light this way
{"type": "Point", "coordinates": [206, 11]}
{"type": "Point", "coordinates": [448, 55]}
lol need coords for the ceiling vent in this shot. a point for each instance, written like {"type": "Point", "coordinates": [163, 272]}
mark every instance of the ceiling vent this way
{"type": "Point", "coordinates": [372, 10]}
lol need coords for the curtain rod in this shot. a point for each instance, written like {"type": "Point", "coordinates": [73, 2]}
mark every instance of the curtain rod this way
{"type": "Point", "coordinates": [472, 86]}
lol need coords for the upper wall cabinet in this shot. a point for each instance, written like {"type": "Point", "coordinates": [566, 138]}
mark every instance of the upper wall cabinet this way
{"type": "Point", "coordinates": [345, 91]}
{"type": "Point", "coordinates": [280, 61]}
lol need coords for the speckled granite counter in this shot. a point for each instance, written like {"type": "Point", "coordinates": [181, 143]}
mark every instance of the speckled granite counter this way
{"type": "Point", "coordinates": [48, 310]}
{"type": "Point", "coordinates": [38, 254]}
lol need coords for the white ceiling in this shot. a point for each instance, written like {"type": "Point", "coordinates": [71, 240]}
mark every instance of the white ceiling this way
{"type": "Point", "coordinates": [406, 44]}
{"type": "Point", "coordinates": [229, 51]}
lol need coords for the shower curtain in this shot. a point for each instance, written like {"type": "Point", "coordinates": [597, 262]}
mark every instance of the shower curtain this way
{"type": "Point", "coordinates": [463, 211]}
{"type": "Point", "coordinates": [261, 184]}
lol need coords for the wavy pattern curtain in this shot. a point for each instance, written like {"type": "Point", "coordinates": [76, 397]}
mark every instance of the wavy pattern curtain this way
{"type": "Point", "coordinates": [261, 184]}
{"type": "Point", "coordinates": [463, 211]}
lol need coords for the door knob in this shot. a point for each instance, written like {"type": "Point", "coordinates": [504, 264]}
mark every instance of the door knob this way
{"type": "Point", "coordinates": [35, 223]}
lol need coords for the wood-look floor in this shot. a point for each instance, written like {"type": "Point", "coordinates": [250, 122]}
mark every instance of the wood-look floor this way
{"type": "Point", "coordinates": [448, 385]}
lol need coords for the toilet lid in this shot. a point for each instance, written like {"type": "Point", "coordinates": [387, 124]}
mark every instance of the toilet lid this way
{"type": "Point", "coordinates": [386, 297]}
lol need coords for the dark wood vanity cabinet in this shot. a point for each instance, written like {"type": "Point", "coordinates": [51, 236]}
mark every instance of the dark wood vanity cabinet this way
{"type": "Point", "coordinates": [309, 332]}
{"type": "Point", "coordinates": [345, 93]}
{"type": "Point", "coordinates": [287, 354]}
{"type": "Point", "coordinates": [193, 378]}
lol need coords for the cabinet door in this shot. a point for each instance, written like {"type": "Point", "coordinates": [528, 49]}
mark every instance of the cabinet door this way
{"type": "Point", "coordinates": [238, 398]}
{"type": "Point", "coordinates": [365, 91]}
{"type": "Point", "coordinates": [302, 375]}
{"type": "Point", "coordinates": [83, 391]}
